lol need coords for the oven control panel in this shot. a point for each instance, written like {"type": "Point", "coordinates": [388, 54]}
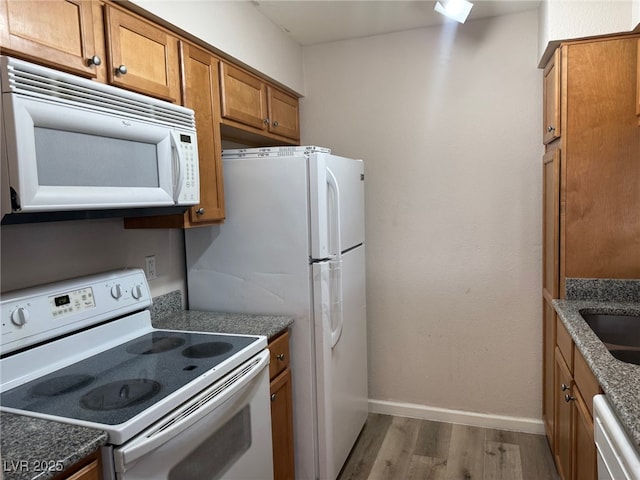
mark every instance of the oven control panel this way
{"type": "Point", "coordinates": [70, 303]}
{"type": "Point", "coordinates": [40, 313]}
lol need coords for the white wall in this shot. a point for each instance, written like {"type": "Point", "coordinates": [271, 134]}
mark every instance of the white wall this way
{"type": "Point", "coordinates": [45, 252]}
{"type": "Point", "coordinates": [448, 124]}
{"type": "Point", "coordinates": [569, 19]}
{"type": "Point", "coordinates": [238, 29]}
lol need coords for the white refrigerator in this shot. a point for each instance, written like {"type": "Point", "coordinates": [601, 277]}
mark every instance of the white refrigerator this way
{"type": "Point", "coordinates": [293, 243]}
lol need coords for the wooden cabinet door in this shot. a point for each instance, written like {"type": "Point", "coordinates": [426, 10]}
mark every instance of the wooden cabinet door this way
{"type": "Point", "coordinates": [282, 427]}
{"type": "Point", "coordinates": [89, 472]}
{"type": "Point", "coordinates": [147, 54]}
{"type": "Point", "coordinates": [200, 92]}
{"type": "Point", "coordinates": [244, 97]}
{"type": "Point", "coordinates": [551, 99]}
{"type": "Point", "coordinates": [548, 367]}
{"type": "Point", "coordinates": [283, 114]}
{"type": "Point", "coordinates": [584, 462]}
{"type": "Point", "coordinates": [551, 223]}
{"type": "Point", "coordinates": [638, 82]}
{"type": "Point", "coordinates": [562, 420]}
{"type": "Point", "coordinates": [58, 33]}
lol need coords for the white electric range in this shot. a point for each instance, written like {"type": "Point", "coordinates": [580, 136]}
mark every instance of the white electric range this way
{"type": "Point", "coordinates": [175, 404]}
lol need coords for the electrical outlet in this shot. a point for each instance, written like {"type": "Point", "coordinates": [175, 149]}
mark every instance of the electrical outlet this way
{"type": "Point", "coordinates": [150, 267]}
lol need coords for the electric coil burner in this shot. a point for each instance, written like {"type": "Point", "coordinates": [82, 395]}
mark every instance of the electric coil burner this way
{"type": "Point", "coordinates": [84, 352]}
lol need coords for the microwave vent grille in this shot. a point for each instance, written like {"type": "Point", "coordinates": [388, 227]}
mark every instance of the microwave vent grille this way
{"type": "Point", "coordinates": [58, 87]}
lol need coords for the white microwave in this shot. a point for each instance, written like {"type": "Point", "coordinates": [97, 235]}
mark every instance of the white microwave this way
{"type": "Point", "coordinates": [69, 143]}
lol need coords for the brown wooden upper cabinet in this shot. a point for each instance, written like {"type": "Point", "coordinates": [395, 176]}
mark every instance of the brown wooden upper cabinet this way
{"type": "Point", "coordinates": [79, 36]}
{"type": "Point", "coordinates": [142, 57]}
{"type": "Point", "coordinates": [551, 100]}
{"type": "Point", "coordinates": [201, 93]}
{"type": "Point", "coordinates": [60, 33]}
{"type": "Point", "coordinates": [638, 82]}
{"type": "Point", "coordinates": [247, 101]}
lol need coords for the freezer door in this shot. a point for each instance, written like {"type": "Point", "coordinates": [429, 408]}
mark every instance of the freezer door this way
{"type": "Point", "coordinates": [336, 188]}
{"type": "Point", "coordinates": [341, 357]}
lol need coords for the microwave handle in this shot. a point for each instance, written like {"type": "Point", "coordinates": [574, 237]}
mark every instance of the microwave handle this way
{"type": "Point", "coordinates": [177, 158]}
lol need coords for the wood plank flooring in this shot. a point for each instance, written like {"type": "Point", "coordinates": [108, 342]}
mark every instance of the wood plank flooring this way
{"type": "Point", "coordinates": [399, 448]}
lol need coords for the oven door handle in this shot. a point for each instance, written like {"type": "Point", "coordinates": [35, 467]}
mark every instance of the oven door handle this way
{"type": "Point", "coordinates": [189, 413]}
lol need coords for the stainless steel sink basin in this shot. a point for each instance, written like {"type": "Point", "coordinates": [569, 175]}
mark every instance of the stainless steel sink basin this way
{"type": "Point", "coordinates": [619, 333]}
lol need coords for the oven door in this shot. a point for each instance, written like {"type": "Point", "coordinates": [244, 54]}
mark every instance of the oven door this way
{"type": "Point", "coordinates": [222, 433]}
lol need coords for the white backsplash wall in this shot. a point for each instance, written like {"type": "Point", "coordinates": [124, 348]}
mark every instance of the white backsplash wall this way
{"type": "Point", "coordinates": [46, 252]}
{"type": "Point", "coordinates": [449, 126]}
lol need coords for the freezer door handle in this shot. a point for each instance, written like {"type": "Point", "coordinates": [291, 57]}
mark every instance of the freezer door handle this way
{"type": "Point", "coordinates": [334, 212]}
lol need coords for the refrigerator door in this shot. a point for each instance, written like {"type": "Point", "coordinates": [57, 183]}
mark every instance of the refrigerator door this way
{"type": "Point", "coordinates": [336, 188]}
{"type": "Point", "coordinates": [341, 357]}
{"type": "Point", "coordinates": [257, 261]}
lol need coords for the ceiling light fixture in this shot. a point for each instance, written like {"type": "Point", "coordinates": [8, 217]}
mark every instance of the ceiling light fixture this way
{"type": "Point", "coordinates": [457, 10]}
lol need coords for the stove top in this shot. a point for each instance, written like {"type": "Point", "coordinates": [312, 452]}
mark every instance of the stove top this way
{"type": "Point", "coordinates": [84, 352]}
{"type": "Point", "coordinates": [114, 386]}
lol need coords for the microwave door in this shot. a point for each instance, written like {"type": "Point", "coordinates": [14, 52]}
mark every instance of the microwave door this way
{"type": "Point", "coordinates": [66, 158]}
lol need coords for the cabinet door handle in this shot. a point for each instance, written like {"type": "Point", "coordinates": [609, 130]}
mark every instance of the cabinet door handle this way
{"type": "Point", "coordinates": [273, 397]}
{"type": "Point", "coordinates": [565, 387]}
{"type": "Point", "coordinates": [266, 121]}
{"type": "Point", "coordinates": [200, 211]}
{"type": "Point", "coordinates": [568, 398]}
{"type": "Point", "coordinates": [275, 124]}
{"type": "Point", "coordinates": [94, 61]}
{"type": "Point", "coordinates": [280, 356]}
{"type": "Point", "coordinates": [550, 128]}
{"type": "Point", "coordinates": [121, 70]}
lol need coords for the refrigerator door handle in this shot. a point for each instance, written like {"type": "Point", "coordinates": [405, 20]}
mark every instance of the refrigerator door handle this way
{"type": "Point", "coordinates": [336, 301]}
{"type": "Point", "coordinates": [332, 182]}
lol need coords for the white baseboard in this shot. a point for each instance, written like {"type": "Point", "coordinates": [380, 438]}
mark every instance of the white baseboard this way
{"type": "Point", "coordinates": [424, 412]}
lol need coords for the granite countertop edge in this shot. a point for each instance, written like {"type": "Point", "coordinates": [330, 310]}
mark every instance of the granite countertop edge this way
{"type": "Point", "coordinates": [269, 326]}
{"type": "Point", "coordinates": [22, 457]}
{"type": "Point", "coordinates": [619, 380]}
{"type": "Point", "coordinates": [37, 460]}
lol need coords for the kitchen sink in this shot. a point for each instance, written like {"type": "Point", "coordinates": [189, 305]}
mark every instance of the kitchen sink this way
{"type": "Point", "coordinates": [619, 333]}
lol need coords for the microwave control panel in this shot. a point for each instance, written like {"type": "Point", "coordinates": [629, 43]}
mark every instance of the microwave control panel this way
{"type": "Point", "coordinates": [189, 189]}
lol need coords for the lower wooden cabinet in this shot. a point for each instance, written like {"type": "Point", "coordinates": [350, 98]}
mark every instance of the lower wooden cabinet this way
{"type": "Point", "coordinates": [573, 444]}
{"type": "Point", "coordinates": [281, 409]}
{"type": "Point", "coordinates": [638, 83]}
{"type": "Point", "coordinates": [87, 469]}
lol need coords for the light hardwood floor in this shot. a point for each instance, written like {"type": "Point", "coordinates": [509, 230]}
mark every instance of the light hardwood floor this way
{"type": "Point", "coordinates": [399, 448]}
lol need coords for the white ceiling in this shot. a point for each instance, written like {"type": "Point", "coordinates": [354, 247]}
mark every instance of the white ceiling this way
{"type": "Point", "coordinates": [310, 22]}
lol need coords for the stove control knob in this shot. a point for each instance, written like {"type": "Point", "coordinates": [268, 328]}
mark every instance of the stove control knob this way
{"type": "Point", "coordinates": [19, 316]}
{"type": "Point", "coordinates": [136, 292]}
{"type": "Point", "coordinates": [116, 291]}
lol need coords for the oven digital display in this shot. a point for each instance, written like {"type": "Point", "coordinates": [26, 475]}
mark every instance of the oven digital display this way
{"type": "Point", "coordinates": [62, 300]}
{"type": "Point", "coordinates": [72, 302]}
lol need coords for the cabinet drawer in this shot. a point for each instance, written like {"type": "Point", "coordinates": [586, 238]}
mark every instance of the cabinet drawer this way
{"type": "Point", "coordinates": [279, 349]}
{"type": "Point", "coordinates": [565, 344]}
{"type": "Point", "coordinates": [585, 380]}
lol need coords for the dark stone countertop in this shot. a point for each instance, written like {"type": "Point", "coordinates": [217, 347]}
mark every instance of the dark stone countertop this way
{"type": "Point", "coordinates": [27, 444]}
{"type": "Point", "coordinates": [216, 322]}
{"type": "Point", "coordinates": [33, 448]}
{"type": "Point", "coordinates": [619, 380]}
